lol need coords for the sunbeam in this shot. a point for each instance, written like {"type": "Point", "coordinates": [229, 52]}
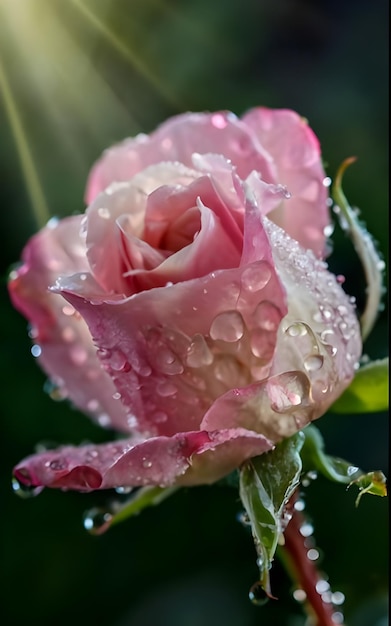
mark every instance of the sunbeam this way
{"type": "Point", "coordinates": [127, 53]}
{"type": "Point", "coordinates": [33, 184]}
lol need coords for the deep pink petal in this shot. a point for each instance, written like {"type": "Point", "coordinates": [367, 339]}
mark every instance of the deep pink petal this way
{"type": "Point", "coordinates": [186, 458]}
{"type": "Point", "coordinates": [296, 154]}
{"type": "Point", "coordinates": [67, 353]}
{"type": "Point", "coordinates": [173, 350]}
{"type": "Point", "coordinates": [178, 139]}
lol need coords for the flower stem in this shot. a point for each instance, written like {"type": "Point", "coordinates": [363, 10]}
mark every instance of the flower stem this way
{"type": "Point", "coordinates": [294, 556]}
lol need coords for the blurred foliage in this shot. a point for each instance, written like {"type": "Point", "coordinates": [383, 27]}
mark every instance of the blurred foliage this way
{"type": "Point", "coordinates": [76, 76]}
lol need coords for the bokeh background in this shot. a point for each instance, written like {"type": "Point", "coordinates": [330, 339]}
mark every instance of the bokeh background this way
{"type": "Point", "coordinates": [75, 77]}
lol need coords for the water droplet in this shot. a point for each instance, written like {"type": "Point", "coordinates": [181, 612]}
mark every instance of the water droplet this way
{"type": "Point", "coordinates": [256, 276]}
{"type": "Point", "coordinates": [299, 505]}
{"type": "Point", "coordinates": [168, 362]}
{"type": "Point", "coordinates": [118, 361]}
{"type": "Point", "coordinates": [243, 518]}
{"type": "Point", "coordinates": [262, 343]}
{"type": "Point", "coordinates": [299, 595]}
{"type": "Point", "coordinates": [92, 405]}
{"type": "Point", "coordinates": [57, 465]}
{"type": "Point", "coordinates": [306, 529]}
{"type": "Point", "coordinates": [116, 395]}
{"type": "Point", "coordinates": [298, 329]}
{"type": "Point", "coordinates": [322, 586]}
{"type": "Point", "coordinates": [326, 182]}
{"type": "Point", "coordinates": [313, 554]}
{"type": "Point", "coordinates": [287, 391]}
{"type": "Point", "coordinates": [78, 355]}
{"type": "Point", "coordinates": [166, 389]}
{"type": "Point", "coordinates": [198, 353]}
{"type": "Point", "coordinates": [352, 469]}
{"type": "Point", "coordinates": [338, 598]}
{"type": "Point", "coordinates": [338, 618]}
{"type": "Point", "coordinates": [68, 310]}
{"type": "Point", "coordinates": [257, 594]}
{"type": "Point", "coordinates": [123, 490]}
{"type": "Point", "coordinates": [227, 326]}
{"type": "Point", "coordinates": [313, 363]}
{"type": "Point", "coordinates": [36, 350]}
{"type": "Point", "coordinates": [24, 491]}
{"type": "Point", "coordinates": [160, 417]}
{"type": "Point", "coordinates": [219, 121]}
{"type": "Point", "coordinates": [260, 563]}
{"type": "Point", "coordinates": [104, 420]}
{"type": "Point", "coordinates": [104, 213]}
{"type": "Point", "coordinates": [146, 463]}
{"type": "Point", "coordinates": [68, 334]}
{"type": "Point", "coordinates": [56, 391]}
{"type": "Point", "coordinates": [97, 521]}
{"type": "Point", "coordinates": [267, 316]}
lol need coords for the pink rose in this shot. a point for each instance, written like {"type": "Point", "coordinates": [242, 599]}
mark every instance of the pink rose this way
{"type": "Point", "coordinates": [190, 308]}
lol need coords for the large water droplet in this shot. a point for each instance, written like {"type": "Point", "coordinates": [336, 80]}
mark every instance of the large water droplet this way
{"type": "Point", "coordinates": [97, 521]}
{"type": "Point", "coordinates": [24, 491]}
{"type": "Point", "coordinates": [267, 316]}
{"type": "Point", "coordinates": [262, 343]}
{"type": "Point", "coordinates": [298, 329]}
{"type": "Point", "coordinates": [227, 326]}
{"type": "Point", "coordinates": [118, 361]}
{"type": "Point", "coordinates": [256, 277]}
{"type": "Point", "coordinates": [36, 350]}
{"type": "Point", "coordinates": [313, 362]}
{"type": "Point", "coordinates": [287, 391]}
{"type": "Point", "coordinates": [198, 353]}
{"type": "Point", "coordinates": [257, 594]}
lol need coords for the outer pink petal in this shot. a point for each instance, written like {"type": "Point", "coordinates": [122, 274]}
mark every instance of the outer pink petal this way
{"type": "Point", "coordinates": [296, 154]}
{"type": "Point", "coordinates": [173, 350]}
{"type": "Point", "coordinates": [177, 140]}
{"type": "Point", "coordinates": [67, 354]}
{"type": "Point", "coordinates": [315, 356]}
{"type": "Point", "coordinates": [186, 458]}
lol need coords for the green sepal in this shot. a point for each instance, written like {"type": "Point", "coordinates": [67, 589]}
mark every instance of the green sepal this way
{"type": "Point", "coordinates": [372, 264]}
{"type": "Point", "coordinates": [266, 484]}
{"type": "Point", "coordinates": [368, 392]}
{"type": "Point", "coordinates": [339, 470]}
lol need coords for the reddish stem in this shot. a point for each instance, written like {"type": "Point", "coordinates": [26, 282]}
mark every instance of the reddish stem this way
{"type": "Point", "coordinates": [304, 570]}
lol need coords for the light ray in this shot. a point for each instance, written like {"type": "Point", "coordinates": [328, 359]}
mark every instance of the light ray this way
{"type": "Point", "coordinates": [127, 53]}
{"type": "Point", "coordinates": [34, 188]}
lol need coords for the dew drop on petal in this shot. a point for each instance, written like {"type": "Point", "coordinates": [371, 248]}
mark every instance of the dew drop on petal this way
{"type": "Point", "coordinates": [298, 329]}
{"type": "Point", "coordinates": [24, 491]}
{"type": "Point", "coordinates": [313, 362]}
{"type": "Point", "coordinates": [36, 350]}
{"type": "Point", "coordinates": [267, 316]}
{"type": "Point", "coordinates": [78, 355]}
{"type": "Point", "coordinates": [287, 391]}
{"type": "Point", "coordinates": [256, 277]}
{"type": "Point", "coordinates": [306, 530]}
{"type": "Point", "coordinates": [257, 594]}
{"type": "Point", "coordinates": [338, 598]}
{"type": "Point", "coordinates": [104, 213]}
{"type": "Point", "coordinates": [166, 389]}
{"type": "Point", "coordinates": [97, 521]}
{"type": "Point", "coordinates": [313, 554]}
{"type": "Point", "coordinates": [198, 353]}
{"type": "Point", "coordinates": [219, 121]}
{"type": "Point", "coordinates": [322, 586]}
{"type": "Point", "coordinates": [227, 326]}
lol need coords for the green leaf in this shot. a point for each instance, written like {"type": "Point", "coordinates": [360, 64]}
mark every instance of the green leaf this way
{"type": "Point", "coordinates": [368, 391]}
{"type": "Point", "coordinates": [338, 470]}
{"type": "Point", "coordinates": [372, 264]}
{"type": "Point", "coordinates": [266, 484]}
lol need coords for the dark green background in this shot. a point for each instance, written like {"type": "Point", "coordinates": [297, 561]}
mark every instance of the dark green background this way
{"type": "Point", "coordinates": [189, 562]}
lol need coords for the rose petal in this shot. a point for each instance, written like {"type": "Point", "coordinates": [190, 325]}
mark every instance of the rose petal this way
{"type": "Point", "coordinates": [315, 356]}
{"type": "Point", "coordinates": [67, 353]}
{"type": "Point", "coordinates": [187, 458]}
{"type": "Point", "coordinates": [176, 140]}
{"type": "Point", "coordinates": [190, 342]}
{"type": "Point", "coordinates": [296, 153]}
